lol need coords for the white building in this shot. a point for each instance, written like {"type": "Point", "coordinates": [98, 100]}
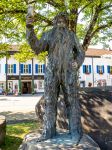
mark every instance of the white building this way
{"type": "Point", "coordinates": [23, 78]}
{"type": "Point", "coordinates": [28, 77]}
{"type": "Point", "coordinates": [97, 68]}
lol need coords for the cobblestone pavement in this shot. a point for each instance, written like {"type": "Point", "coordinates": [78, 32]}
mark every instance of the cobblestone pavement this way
{"type": "Point", "coordinates": [19, 108]}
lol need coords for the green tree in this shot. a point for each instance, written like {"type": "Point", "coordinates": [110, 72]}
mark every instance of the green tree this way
{"type": "Point", "coordinates": [24, 53]}
{"type": "Point", "coordinates": [91, 20]}
{"type": "Point", "coordinates": [4, 50]}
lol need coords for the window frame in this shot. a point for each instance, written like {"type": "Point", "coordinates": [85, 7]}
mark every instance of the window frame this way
{"type": "Point", "coordinates": [100, 69]}
{"type": "Point", "coordinates": [10, 68]}
{"type": "Point", "coordinates": [25, 69]}
{"type": "Point", "coordinates": [40, 68]}
{"type": "Point", "coordinates": [87, 69]}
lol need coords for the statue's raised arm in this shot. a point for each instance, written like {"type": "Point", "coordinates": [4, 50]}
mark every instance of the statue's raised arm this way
{"type": "Point", "coordinates": [36, 45]}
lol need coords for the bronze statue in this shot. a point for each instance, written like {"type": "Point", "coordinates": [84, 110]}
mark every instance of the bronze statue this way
{"type": "Point", "coordinates": [65, 56]}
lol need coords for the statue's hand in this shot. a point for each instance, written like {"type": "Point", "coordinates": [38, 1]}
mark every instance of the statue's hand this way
{"type": "Point", "coordinates": [75, 64]}
{"type": "Point", "coordinates": [30, 15]}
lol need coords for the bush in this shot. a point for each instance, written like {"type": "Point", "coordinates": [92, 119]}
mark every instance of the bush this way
{"type": "Point", "coordinates": [15, 134]}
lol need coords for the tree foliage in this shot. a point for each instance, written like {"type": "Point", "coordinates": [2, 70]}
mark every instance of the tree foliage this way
{"type": "Point", "coordinates": [4, 50]}
{"type": "Point", "coordinates": [24, 53]}
{"type": "Point", "coordinates": [91, 20]}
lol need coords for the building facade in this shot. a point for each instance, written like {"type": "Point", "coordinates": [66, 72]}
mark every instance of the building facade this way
{"type": "Point", "coordinates": [96, 69]}
{"type": "Point", "coordinates": [28, 77]}
{"type": "Point", "coordinates": [22, 78]}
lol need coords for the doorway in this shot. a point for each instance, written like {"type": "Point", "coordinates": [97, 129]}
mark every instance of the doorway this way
{"type": "Point", "coordinates": [26, 87]}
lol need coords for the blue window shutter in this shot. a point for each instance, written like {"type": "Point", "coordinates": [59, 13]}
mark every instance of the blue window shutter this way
{"type": "Point", "coordinates": [84, 68]}
{"type": "Point", "coordinates": [14, 68]}
{"type": "Point", "coordinates": [43, 68]}
{"type": "Point", "coordinates": [89, 68]}
{"type": "Point", "coordinates": [29, 68]}
{"type": "Point", "coordinates": [6, 69]}
{"type": "Point", "coordinates": [36, 68]}
{"type": "Point", "coordinates": [21, 68]}
{"type": "Point", "coordinates": [97, 69]}
{"type": "Point", "coordinates": [108, 69]}
{"type": "Point", "coordinates": [103, 68]}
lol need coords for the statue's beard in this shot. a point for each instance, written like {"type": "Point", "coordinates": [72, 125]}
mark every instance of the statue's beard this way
{"type": "Point", "coordinates": [60, 26]}
{"type": "Point", "coordinates": [59, 35]}
{"type": "Point", "coordinates": [60, 32]}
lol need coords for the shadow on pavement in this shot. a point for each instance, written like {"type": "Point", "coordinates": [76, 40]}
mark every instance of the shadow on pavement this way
{"type": "Point", "coordinates": [15, 117]}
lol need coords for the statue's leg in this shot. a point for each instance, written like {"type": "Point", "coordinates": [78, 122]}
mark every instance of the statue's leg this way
{"type": "Point", "coordinates": [51, 95]}
{"type": "Point", "coordinates": [70, 89]}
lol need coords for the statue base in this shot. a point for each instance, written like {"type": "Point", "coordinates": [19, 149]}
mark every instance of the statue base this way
{"type": "Point", "coordinates": [59, 142]}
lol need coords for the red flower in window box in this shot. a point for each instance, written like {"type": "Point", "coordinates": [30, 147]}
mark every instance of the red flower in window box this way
{"type": "Point", "coordinates": [87, 73]}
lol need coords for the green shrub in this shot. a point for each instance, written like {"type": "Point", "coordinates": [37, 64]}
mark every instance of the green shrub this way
{"type": "Point", "coordinates": [15, 134]}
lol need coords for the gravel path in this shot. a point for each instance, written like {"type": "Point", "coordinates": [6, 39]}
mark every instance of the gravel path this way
{"type": "Point", "coordinates": [18, 108]}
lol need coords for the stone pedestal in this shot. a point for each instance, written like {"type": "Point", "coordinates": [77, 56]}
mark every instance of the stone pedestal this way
{"type": "Point", "coordinates": [109, 145]}
{"type": "Point", "coordinates": [59, 142]}
{"type": "Point", "coordinates": [2, 129]}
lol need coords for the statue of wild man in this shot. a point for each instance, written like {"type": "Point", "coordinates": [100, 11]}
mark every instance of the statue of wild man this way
{"type": "Point", "coordinates": [65, 56]}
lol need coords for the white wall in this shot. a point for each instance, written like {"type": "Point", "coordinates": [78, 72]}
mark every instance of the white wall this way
{"type": "Point", "coordinates": [94, 76]}
{"type": "Point", "coordinates": [106, 76]}
{"type": "Point", "coordinates": [2, 73]}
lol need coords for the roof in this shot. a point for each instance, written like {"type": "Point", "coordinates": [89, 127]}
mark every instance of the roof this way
{"type": "Point", "coordinates": [90, 52]}
{"type": "Point", "coordinates": [98, 52]}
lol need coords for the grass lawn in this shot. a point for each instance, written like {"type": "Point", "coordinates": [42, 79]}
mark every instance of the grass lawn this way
{"type": "Point", "coordinates": [15, 134]}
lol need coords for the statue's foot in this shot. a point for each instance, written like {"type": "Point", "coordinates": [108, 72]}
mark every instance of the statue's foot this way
{"type": "Point", "coordinates": [76, 138]}
{"type": "Point", "coordinates": [42, 138]}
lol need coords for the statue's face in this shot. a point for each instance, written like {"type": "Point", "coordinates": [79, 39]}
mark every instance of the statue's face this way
{"type": "Point", "coordinates": [61, 22]}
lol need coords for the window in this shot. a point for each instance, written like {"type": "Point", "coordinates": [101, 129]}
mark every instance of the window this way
{"type": "Point", "coordinates": [2, 85]}
{"type": "Point", "coordinates": [15, 86]}
{"type": "Point", "coordinates": [87, 69]}
{"type": "Point", "coordinates": [25, 68]}
{"type": "Point", "coordinates": [35, 86]}
{"type": "Point", "coordinates": [10, 90]}
{"type": "Point", "coordinates": [41, 84]}
{"type": "Point", "coordinates": [109, 69]}
{"type": "Point", "coordinates": [39, 68]}
{"type": "Point", "coordinates": [10, 68]}
{"type": "Point", "coordinates": [100, 69]}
